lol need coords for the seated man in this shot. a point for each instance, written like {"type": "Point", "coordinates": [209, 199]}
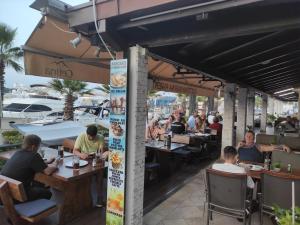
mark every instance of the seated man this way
{"type": "Point", "coordinates": [89, 143]}
{"type": "Point", "coordinates": [25, 163]}
{"type": "Point", "coordinates": [229, 166]}
{"type": "Point", "coordinates": [248, 150]}
{"type": "Point", "coordinates": [191, 124]}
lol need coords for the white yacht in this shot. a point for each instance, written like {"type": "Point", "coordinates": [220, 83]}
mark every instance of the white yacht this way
{"type": "Point", "coordinates": [32, 107]}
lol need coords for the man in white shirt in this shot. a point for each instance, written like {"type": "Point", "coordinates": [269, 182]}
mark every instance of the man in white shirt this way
{"type": "Point", "coordinates": [192, 121]}
{"type": "Point", "coordinates": [229, 166]}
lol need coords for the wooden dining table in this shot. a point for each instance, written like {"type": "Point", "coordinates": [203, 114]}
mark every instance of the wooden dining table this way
{"type": "Point", "coordinates": [75, 185]}
{"type": "Point", "coordinates": [256, 174]}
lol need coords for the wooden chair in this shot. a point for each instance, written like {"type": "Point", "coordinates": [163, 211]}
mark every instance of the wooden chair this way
{"type": "Point", "coordinates": [68, 145]}
{"type": "Point", "coordinates": [31, 211]}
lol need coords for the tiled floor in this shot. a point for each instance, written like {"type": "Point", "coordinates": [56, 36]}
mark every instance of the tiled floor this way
{"type": "Point", "coordinates": [186, 207]}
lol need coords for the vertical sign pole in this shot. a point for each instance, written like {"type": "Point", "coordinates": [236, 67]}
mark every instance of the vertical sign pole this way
{"type": "Point", "coordinates": [117, 143]}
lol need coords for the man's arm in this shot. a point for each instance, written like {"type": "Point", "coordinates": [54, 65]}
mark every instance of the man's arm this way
{"type": "Point", "coordinates": [77, 146]}
{"type": "Point", "coordinates": [77, 152]}
{"type": "Point", "coordinates": [270, 148]}
{"type": "Point", "coordinates": [50, 169]}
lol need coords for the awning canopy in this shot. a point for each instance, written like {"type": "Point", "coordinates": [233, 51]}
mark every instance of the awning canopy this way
{"type": "Point", "coordinates": [233, 40]}
{"type": "Point", "coordinates": [48, 52]}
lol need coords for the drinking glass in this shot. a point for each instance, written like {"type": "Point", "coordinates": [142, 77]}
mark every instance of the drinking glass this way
{"type": "Point", "coordinates": [76, 162]}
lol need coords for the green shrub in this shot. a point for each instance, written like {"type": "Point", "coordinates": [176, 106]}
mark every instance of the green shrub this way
{"type": "Point", "coordinates": [284, 216]}
{"type": "Point", "coordinates": [12, 137]}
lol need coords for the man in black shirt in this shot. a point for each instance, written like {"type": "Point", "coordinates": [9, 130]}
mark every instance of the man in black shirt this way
{"type": "Point", "coordinates": [25, 163]}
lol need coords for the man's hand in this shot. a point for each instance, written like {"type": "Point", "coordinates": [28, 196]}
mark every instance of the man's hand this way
{"type": "Point", "coordinates": [240, 144]}
{"type": "Point", "coordinates": [84, 156]}
{"type": "Point", "coordinates": [286, 148]}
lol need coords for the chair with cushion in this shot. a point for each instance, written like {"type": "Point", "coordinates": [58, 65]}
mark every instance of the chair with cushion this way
{"type": "Point", "coordinates": [12, 191]}
{"type": "Point", "coordinates": [68, 145]}
{"type": "Point", "coordinates": [227, 195]}
{"type": "Point", "coordinates": [276, 189]}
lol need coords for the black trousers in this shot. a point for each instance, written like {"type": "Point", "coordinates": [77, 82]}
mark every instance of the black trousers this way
{"type": "Point", "coordinates": [36, 192]}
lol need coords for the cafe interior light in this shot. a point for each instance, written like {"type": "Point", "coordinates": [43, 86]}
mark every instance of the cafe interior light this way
{"type": "Point", "coordinates": [97, 52]}
{"type": "Point", "coordinates": [76, 41]}
{"type": "Point", "coordinates": [285, 90]}
{"type": "Point", "coordinates": [285, 94]}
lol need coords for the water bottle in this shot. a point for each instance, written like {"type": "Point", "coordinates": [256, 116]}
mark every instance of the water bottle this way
{"type": "Point", "coordinates": [169, 141]}
{"type": "Point", "coordinates": [289, 168]}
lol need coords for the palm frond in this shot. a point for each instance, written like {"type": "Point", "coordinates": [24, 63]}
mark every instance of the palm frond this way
{"type": "Point", "coordinates": [104, 88]}
{"type": "Point", "coordinates": [17, 67]}
{"type": "Point", "coordinates": [7, 36]}
{"type": "Point", "coordinates": [57, 85]}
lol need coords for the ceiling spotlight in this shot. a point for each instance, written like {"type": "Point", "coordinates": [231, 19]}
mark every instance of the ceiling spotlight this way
{"type": "Point", "coordinates": [266, 62]}
{"type": "Point", "coordinates": [289, 93]}
{"type": "Point", "coordinates": [285, 90]}
{"type": "Point", "coordinates": [76, 41]}
{"type": "Point", "coordinates": [97, 52]}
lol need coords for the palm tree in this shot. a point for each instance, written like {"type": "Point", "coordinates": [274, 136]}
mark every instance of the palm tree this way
{"type": "Point", "coordinates": [104, 88]}
{"type": "Point", "coordinates": [70, 88]}
{"type": "Point", "coordinates": [8, 57]}
{"type": "Point", "coordinates": [182, 98]}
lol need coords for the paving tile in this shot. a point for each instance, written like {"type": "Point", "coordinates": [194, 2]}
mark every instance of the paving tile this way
{"type": "Point", "coordinates": [174, 222]}
{"type": "Point", "coordinates": [195, 221]}
{"type": "Point", "coordinates": [152, 218]}
{"type": "Point", "coordinates": [185, 213]}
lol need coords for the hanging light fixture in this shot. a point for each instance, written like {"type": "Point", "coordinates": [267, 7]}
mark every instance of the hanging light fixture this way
{"type": "Point", "coordinates": [76, 41]}
{"type": "Point", "coordinates": [97, 52]}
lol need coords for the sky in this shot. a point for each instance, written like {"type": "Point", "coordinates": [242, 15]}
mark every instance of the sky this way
{"type": "Point", "coordinates": [18, 14]}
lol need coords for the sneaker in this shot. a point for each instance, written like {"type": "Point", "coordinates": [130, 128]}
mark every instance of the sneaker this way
{"type": "Point", "coordinates": [99, 205]}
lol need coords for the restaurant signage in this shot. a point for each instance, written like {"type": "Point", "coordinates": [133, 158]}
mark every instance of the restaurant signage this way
{"type": "Point", "coordinates": [171, 87]}
{"type": "Point", "coordinates": [59, 69]}
{"type": "Point", "coordinates": [117, 143]}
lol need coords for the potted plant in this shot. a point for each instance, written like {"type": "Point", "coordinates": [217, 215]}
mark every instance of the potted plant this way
{"type": "Point", "coordinates": [276, 166]}
{"type": "Point", "coordinates": [284, 216]}
{"type": "Point", "coordinates": [271, 119]}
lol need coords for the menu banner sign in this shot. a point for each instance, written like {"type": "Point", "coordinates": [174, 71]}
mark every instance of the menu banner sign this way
{"type": "Point", "coordinates": [117, 143]}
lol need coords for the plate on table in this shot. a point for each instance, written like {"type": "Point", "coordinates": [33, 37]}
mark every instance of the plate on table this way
{"type": "Point", "coordinates": [82, 163]}
{"type": "Point", "coordinates": [256, 168]}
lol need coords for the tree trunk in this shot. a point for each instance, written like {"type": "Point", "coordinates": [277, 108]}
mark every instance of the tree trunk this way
{"type": "Point", "coordinates": [69, 107]}
{"type": "Point", "coordinates": [2, 67]}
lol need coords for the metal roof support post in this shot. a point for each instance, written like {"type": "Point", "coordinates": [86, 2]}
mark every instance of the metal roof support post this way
{"type": "Point", "coordinates": [298, 115]}
{"type": "Point", "coordinates": [241, 114]}
{"type": "Point", "coordinates": [263, 118]}
{"type": "Point", "coordinates": [193, 104]}
{"type": "Point", "coordinates": [211, 102]}
{"type": "Point", "coordinates": [270, 109]}
{"type": "Point", "coordinates": [250, 108]}
{"type": "Point", "coordinates": [229, 115]}
{"type": "Point", "coordinates": [137, 95]}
